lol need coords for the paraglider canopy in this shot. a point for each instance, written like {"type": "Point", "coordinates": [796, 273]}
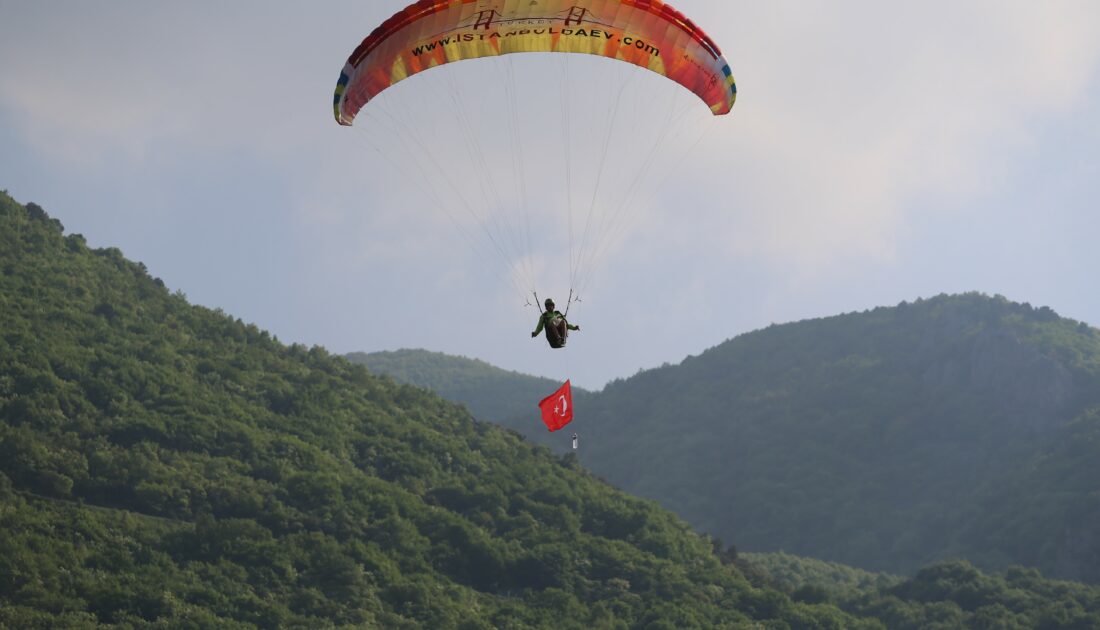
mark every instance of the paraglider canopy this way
{"type": "Point", "coordinates": [429, 33]}
{"type": "Point", "coordinates": [542, 170]}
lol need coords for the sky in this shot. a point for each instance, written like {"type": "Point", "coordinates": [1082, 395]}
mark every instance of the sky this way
{"type": "Point", "coordinates": [878, 152]}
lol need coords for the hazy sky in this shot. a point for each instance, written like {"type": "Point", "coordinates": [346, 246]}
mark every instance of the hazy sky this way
{"type": "Point", "coordinates": [878, 152]}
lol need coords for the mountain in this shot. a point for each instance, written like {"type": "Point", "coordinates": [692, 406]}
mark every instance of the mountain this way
{"type": "Point", "coordinates": [958, 426]}
{"type": "Point", "coordinates": [503, 397]}
{"type": "Point", "coordinates": [166, 465]}
{"type": "Point", "coordinates": [490, 390]}
{"type": "Point", "coordinates": [946, 595]}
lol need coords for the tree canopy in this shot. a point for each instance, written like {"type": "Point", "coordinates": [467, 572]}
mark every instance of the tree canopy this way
{"type": "Point", "coordinates": [165, 465]}
{"type": "Point", "coordinates": [958, 426]}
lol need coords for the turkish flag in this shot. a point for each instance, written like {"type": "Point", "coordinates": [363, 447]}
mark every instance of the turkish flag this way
{"type": "Point", "coordinates": [557, 408]}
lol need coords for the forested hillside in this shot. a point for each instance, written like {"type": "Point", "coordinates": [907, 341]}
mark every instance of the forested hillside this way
{"type": "Point", "coordinates": [164, 465]}
{"type": "Point", "coordinates": [944, 596]}
{"type": "Point", "coordinates": [959, 426]}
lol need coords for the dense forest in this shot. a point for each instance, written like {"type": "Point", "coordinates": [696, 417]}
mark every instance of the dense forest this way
{"type": "Point", "coordinates": [958, 426]}
{"type": "Point", "coordinates": [943, 596]}
{"type": "Point", "coordinates": [165, 465]}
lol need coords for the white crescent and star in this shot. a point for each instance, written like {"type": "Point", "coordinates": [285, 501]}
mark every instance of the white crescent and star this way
{"type": "Point", "coordinates": [562, 406]}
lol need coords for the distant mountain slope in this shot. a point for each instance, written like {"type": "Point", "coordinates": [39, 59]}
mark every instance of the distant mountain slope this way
{"type": "Point", "coordinates": [450, 376]}
{"type": "Point", "coordinates": [956, 426]}
{"type": "Point", "coordinates": [164, 465]}
{"type": "Point", "coordinates": [962, 425]}
{"type": "Point", "coordinates": [504, 397]}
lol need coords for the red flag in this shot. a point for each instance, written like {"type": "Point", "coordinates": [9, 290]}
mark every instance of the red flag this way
{"type": "Point", "coordinates": [557, 408]}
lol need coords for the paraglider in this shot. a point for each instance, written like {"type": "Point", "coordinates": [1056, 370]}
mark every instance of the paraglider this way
{"type": "Point", "coordinates": [557, 327]}
{"type": "Point", "coordinates": [428, 34]}
{"type": "Point", "coordinates": [598, 186]}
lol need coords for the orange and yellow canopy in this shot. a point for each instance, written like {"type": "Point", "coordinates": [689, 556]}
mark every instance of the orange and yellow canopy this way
{"type": "Point", "coordinates": [430, 33]}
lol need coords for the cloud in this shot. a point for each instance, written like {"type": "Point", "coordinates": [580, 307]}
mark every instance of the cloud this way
{"type": "Point", "coordinates": [848, 112]}
{"type": "Point", "coordinates": [88, 79]}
